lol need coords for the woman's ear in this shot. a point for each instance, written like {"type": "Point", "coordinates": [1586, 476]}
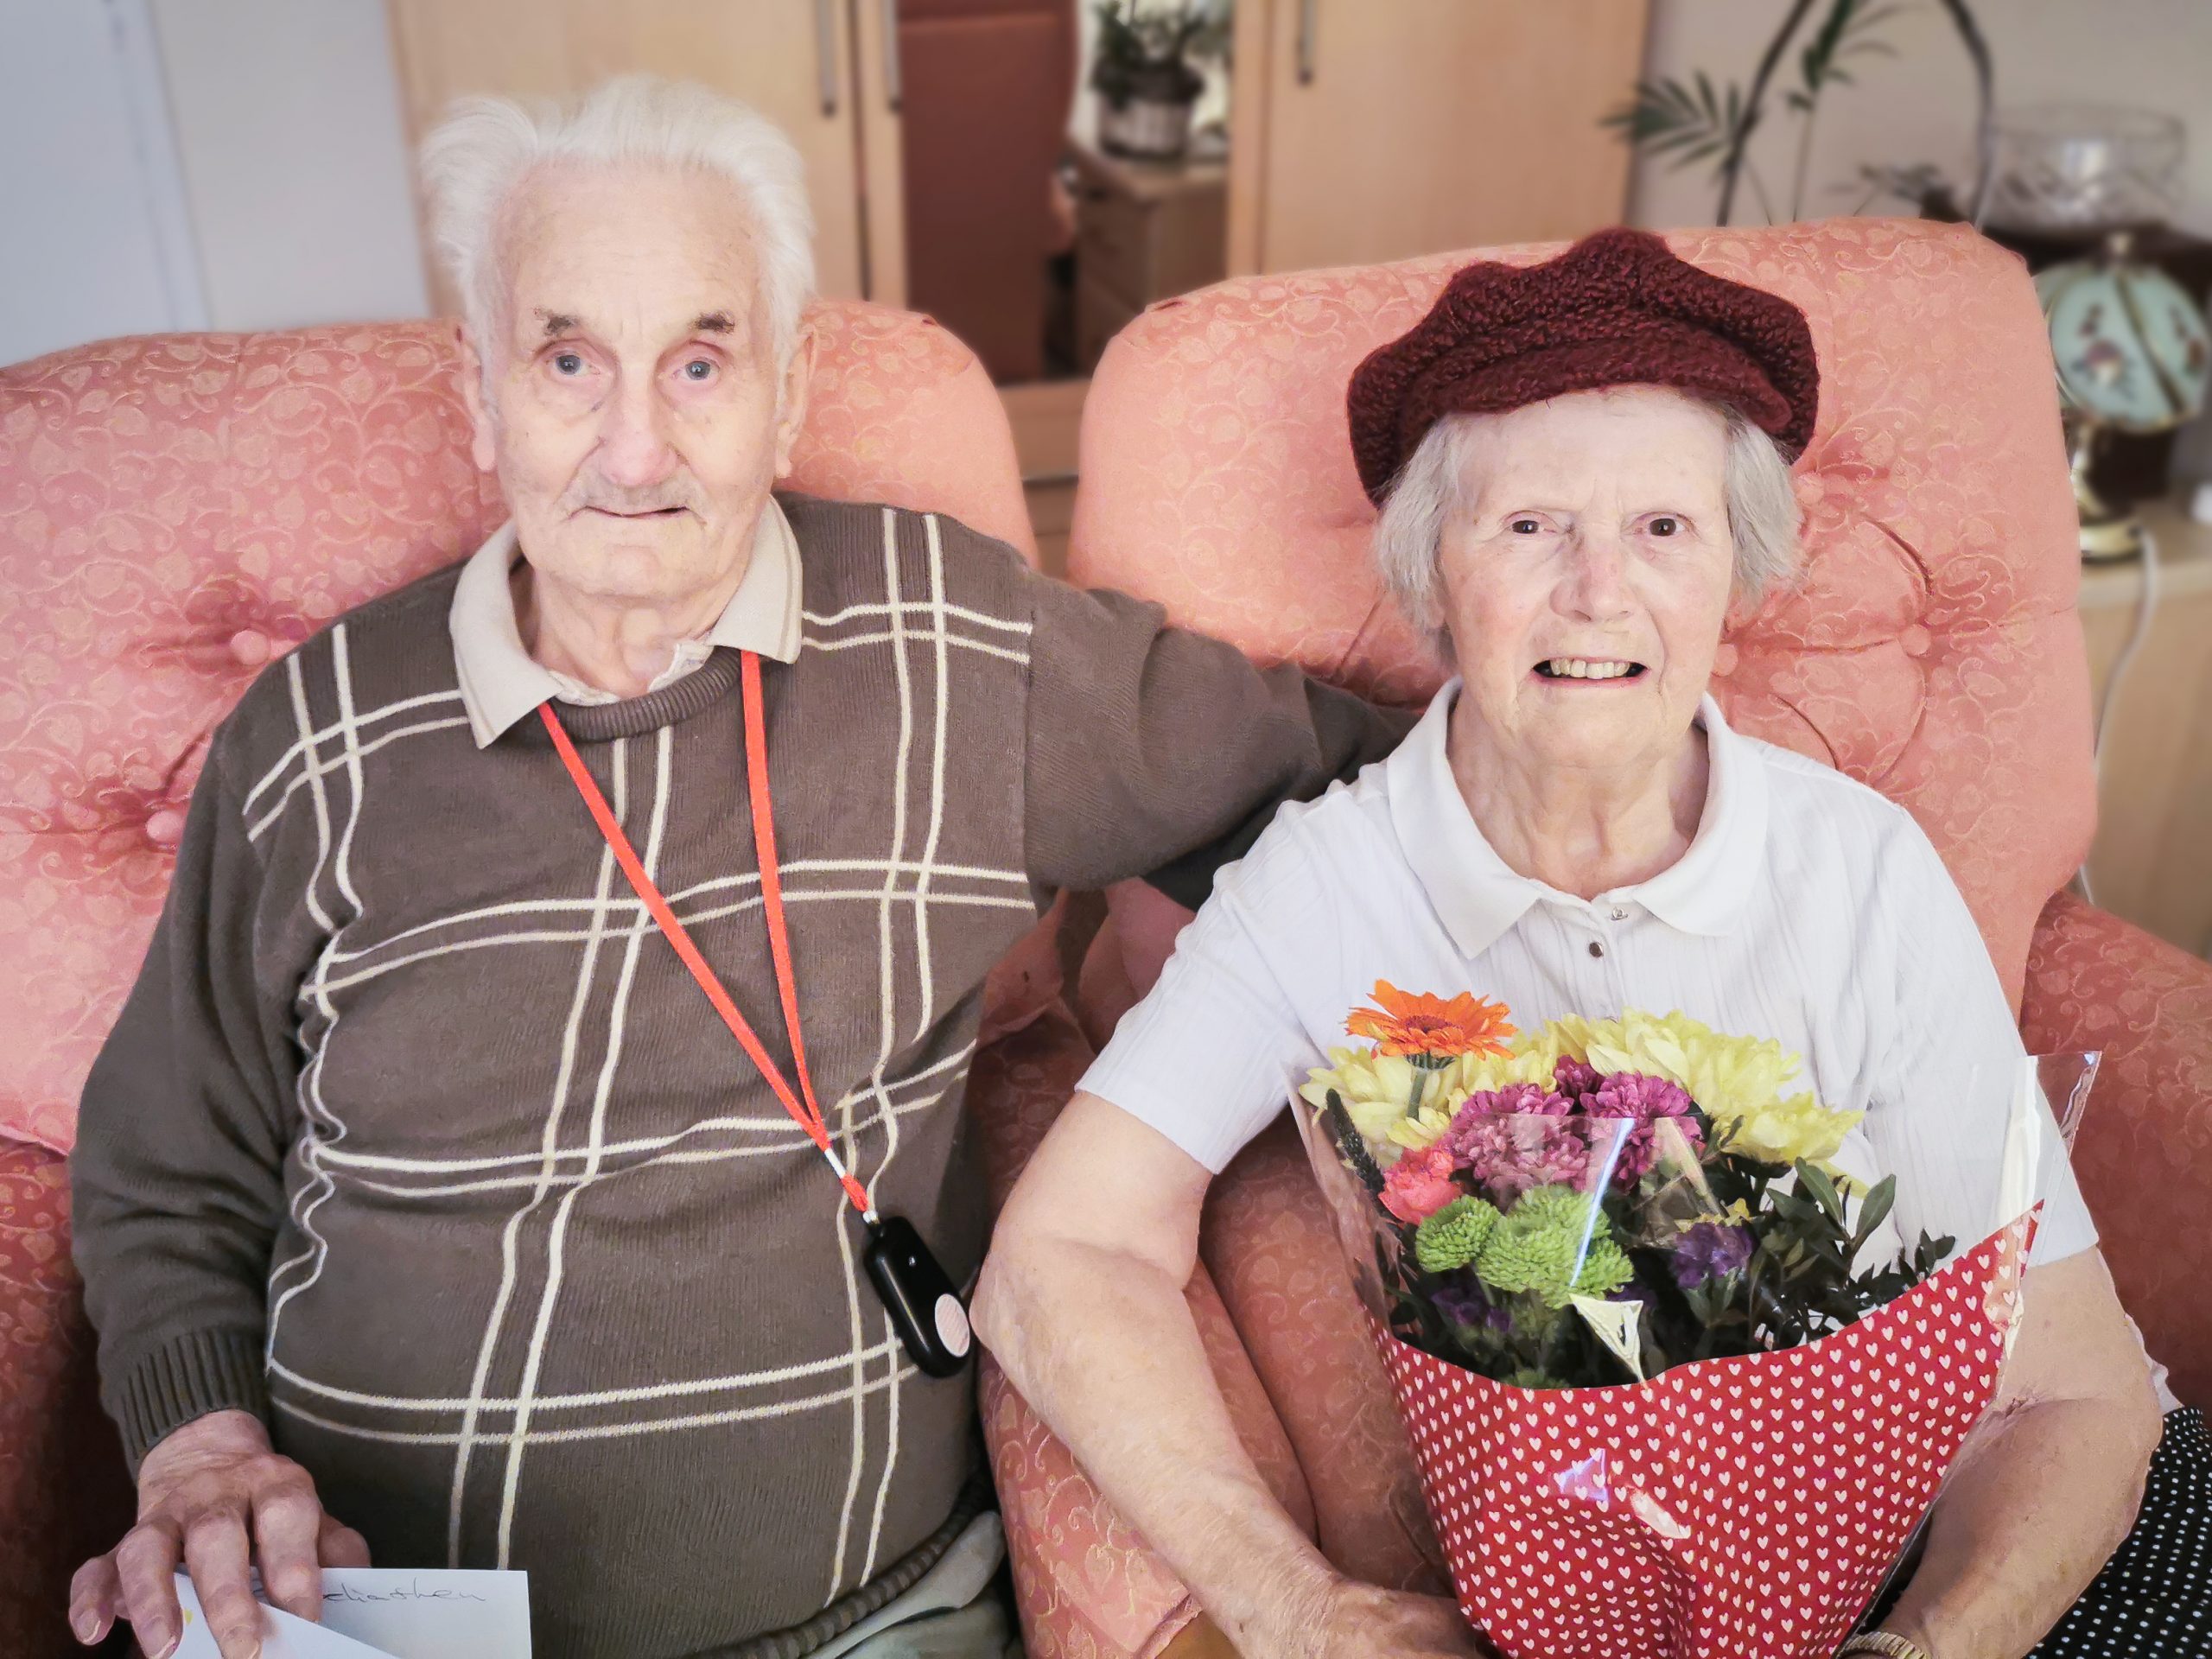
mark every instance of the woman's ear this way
{"type": "Point", "coordinates": [1743, 610]}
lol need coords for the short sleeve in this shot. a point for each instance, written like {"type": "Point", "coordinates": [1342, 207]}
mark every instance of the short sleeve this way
{"type": "Point", "coordinates": [1942, 1116]}
{"type": "Point", "coordinates": [1209, 1058]}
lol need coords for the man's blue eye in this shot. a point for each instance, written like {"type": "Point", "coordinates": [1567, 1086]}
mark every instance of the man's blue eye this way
{"type": "Point", "coordinates": [698, 368]}
{"type": "Point", "coordinates": [568, 363]}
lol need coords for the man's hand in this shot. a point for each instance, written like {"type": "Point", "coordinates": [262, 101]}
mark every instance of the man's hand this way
{"type": "Point", "coordinates": [1361, 1620]}
{"type": "Point", "coordinates": [212, 1496]}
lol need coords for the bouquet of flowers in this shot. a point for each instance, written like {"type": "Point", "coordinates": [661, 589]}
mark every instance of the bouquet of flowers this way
{"type": "Point", "coordinates": [1659, 1405]}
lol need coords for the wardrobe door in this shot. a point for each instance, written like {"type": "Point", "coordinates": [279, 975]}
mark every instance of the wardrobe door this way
{"type": "Point", "coordinates": [791, 60]}
{"type": "Point", "coordinates": [1366, 133]}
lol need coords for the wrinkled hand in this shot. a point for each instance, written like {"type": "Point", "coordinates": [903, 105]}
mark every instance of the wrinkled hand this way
{"type": "Point", "coordinates": [1361, 1622]}
{"type": "Point", "coordinates": [212, 1496]}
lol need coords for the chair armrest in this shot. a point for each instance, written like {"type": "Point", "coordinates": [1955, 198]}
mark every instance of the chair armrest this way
{"type": "Point", "coordinates": [2143, 1155]}
{"type": "Point", "coordinates": [1086, 1580]}
{"type": "Point", "coordinates": [64, 1492]}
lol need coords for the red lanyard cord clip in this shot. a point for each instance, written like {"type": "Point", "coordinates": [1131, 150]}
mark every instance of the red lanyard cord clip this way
{"type": "Point", "coordinates": [805, 1112]}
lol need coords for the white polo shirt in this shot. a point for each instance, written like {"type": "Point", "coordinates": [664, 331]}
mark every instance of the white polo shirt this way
{"type": "Point", "coordinates": [1809, 909]}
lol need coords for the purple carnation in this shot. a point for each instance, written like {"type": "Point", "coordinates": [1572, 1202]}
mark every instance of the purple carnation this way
{"type": "Point", "coordinates": [1575, 1078]}
{"type": "Point", "coordinates": [1634, 1094]}
{"type": "Point", "coordinates": [1707, 1251]}
{"type": "Point", "coordinates": [1472, 1307]}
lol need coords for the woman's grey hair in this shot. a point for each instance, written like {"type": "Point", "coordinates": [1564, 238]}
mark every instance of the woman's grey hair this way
{"type": "Point", "coordinates": [486, 146]}
{"type": "Point", "coordinates": [1425, 496]}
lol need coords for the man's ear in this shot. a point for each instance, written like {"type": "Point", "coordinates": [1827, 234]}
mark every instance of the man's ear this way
{"type": "Point", "coordinates": [798, 378]}
{"type": "Point", "coordinates": [482, 447]}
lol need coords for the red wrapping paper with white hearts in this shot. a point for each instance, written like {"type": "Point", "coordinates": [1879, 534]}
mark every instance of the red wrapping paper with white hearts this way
{"type": "Point", "coordinates": [1740, 1508]}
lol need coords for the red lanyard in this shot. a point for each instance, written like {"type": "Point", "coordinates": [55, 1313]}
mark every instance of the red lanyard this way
{"type": "Point", "coordinates": [806, 1113]}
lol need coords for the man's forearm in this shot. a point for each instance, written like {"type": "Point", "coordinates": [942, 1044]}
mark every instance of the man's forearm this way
{"type": "Point", "coordinates": [2023, 1527]}
{"type": "Point", "coordinates": [1103, 1347]}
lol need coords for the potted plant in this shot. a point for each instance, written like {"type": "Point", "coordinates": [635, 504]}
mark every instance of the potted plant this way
{"type": "Point", "coordinates": [1145, 74]}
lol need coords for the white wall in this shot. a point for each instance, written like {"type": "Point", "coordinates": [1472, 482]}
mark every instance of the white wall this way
{"type": "Point", "coordinates": [288, 124]}
{"type": "Point", "coordinates": [96, 237]}
{"type": "Point", "coordinates": [1919, 106]}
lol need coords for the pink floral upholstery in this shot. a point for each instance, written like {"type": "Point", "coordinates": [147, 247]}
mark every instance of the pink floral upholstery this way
{"type": "Point", "coordinates": [63, 1494]}
{"type": "Point", "coordinates": [174, 512]}
{"type": "Point", "coordinates": [1932, 652]}
{"type": "Point", "coordinates": [2144, 1151]}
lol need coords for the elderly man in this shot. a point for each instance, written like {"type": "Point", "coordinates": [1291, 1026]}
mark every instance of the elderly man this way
{"type": "Point", "coordinates": [421, 1191]}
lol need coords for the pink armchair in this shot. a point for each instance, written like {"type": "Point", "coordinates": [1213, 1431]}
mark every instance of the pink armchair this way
{"type": "Point", "coordinates": [1933, 652]}
{"type": "Point", "coordinates": [173, 513]}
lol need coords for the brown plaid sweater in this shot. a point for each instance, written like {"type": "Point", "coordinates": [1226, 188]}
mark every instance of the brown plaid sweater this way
{"type": "Point", "coordinates": [415, 1138]}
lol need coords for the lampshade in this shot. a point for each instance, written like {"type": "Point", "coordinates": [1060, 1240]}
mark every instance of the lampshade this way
{"type": "Point", "coordinates": [2131, 345]}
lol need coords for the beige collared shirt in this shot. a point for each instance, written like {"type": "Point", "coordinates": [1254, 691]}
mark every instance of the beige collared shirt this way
{"type": "Point", "coordinates": [500, 682]}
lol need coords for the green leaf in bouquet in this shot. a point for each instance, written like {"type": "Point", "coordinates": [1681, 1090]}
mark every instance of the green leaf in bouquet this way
{"type": "Point", "coordinates": [1815, 1181]}
{"type": "Point", "coordinates": [1874, 1210]}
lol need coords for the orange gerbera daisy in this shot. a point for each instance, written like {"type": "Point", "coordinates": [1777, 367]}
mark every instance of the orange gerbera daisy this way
{"type": "Point", "coordinates": [1417, 1023]}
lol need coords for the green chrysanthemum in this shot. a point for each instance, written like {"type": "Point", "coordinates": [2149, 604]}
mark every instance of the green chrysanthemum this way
{"type": "Point", "coordinates": [1605, 1268]}
{"type": "Point", "coordinates": [1538, 1250]}
{"type": "Point", "coordinates": [1454, 1236]}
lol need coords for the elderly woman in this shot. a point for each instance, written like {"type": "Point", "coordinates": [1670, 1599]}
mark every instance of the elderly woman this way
{"type": "Point", "coordinates": [1583, 472]}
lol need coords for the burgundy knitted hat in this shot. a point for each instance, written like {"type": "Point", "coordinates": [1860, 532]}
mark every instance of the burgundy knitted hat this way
{"type": "Point", "coordinates": [1617, 308]}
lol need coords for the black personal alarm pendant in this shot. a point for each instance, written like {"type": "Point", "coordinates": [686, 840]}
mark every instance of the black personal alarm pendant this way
{"type": "Point", "coordinates": [921, 1300]}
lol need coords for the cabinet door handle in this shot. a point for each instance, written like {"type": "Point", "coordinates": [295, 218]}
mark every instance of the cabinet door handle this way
{"type": "Point", "coordinates": [825, 53]}
{"type": "Point", "coordinates": [1309, 20]}
{"type": "Point", "coordinates": [893, 92]}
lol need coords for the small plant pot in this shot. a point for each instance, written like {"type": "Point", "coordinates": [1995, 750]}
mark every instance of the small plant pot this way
{"type": "Point", "coordinates": [1147, 129]}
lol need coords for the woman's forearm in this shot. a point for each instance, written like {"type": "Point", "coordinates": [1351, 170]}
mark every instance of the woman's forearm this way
{"type": "Point", "coordinates": [2046, 1497]}
{"type": "Point", "coordinates": [1102, 1347]}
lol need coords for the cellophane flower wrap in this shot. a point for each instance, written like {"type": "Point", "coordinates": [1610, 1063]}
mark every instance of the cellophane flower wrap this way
{"type": "Point", "coordinates": [1661, 1407]}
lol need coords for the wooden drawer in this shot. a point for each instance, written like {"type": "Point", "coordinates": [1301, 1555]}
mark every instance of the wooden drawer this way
{"type": "Point", "coordinates": [1112, 245]}
{"type": "Point", "coordinates": [1147, 232]}
{"type": "Point", "coordinates": [1100, 314]}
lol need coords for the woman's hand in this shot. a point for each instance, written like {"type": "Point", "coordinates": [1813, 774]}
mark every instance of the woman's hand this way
{"type": "Point", "coordinates": [1361, 1622]}
{"type": "Point", "coordinates": [212, 1496]}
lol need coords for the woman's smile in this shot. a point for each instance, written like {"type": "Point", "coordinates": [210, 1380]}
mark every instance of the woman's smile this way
{"type": "Point", "coordinates": [1582, 673]}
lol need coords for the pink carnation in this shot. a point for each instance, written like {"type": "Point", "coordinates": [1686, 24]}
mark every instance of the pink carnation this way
{"type": "Point", "coordinates": [1634, 1094]}
{"type": "Point", "coordinates": [1516, 1138]}
{"type": "Point", "coordinates": [1420, 1184]}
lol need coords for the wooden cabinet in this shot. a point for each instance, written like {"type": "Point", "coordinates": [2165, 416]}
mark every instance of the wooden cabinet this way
{"type": "Point", "coordinates": [2152, 863]}
{"type": "Point", "coordinates": [1364, 130]}
{"type": "Point", "coordinates": [822, 70]}
{"type": "Point", "coordinates": [1145, 231]}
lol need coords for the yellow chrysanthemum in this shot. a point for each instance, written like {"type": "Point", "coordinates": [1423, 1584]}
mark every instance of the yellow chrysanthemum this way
{"type": "Point", "coordinates": [1739, 1081]}
{"type": "Point", "coordinates": [1377, 1091]}
{"type": "Point", "coordinates": [1423, 1128]}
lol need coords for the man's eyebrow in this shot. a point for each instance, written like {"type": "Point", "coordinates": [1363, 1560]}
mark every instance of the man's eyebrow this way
{"type": "Point", "coordinates": [713, 322]}
{"type": "Point", "coordinates": [557, 322]}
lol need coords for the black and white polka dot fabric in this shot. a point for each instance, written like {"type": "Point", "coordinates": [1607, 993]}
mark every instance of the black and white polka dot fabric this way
{"type": "Point", "coordinates": [2153, 1600]}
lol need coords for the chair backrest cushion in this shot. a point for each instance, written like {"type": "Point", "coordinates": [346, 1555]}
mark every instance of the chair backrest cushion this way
{"type": "Point", "coordinates": [1932, 649]}
{"type": "Point", "coordinates": [176, 511]}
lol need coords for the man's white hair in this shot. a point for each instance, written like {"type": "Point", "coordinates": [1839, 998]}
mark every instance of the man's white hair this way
{"type": "Point", "coordinates": [486, 147]}
{"type": "Point", "coordinates": [1427, 494]}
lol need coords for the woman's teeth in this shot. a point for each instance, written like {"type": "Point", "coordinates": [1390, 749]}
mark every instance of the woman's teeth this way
{"type": "Point", "coordinates": [1575, 668]}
